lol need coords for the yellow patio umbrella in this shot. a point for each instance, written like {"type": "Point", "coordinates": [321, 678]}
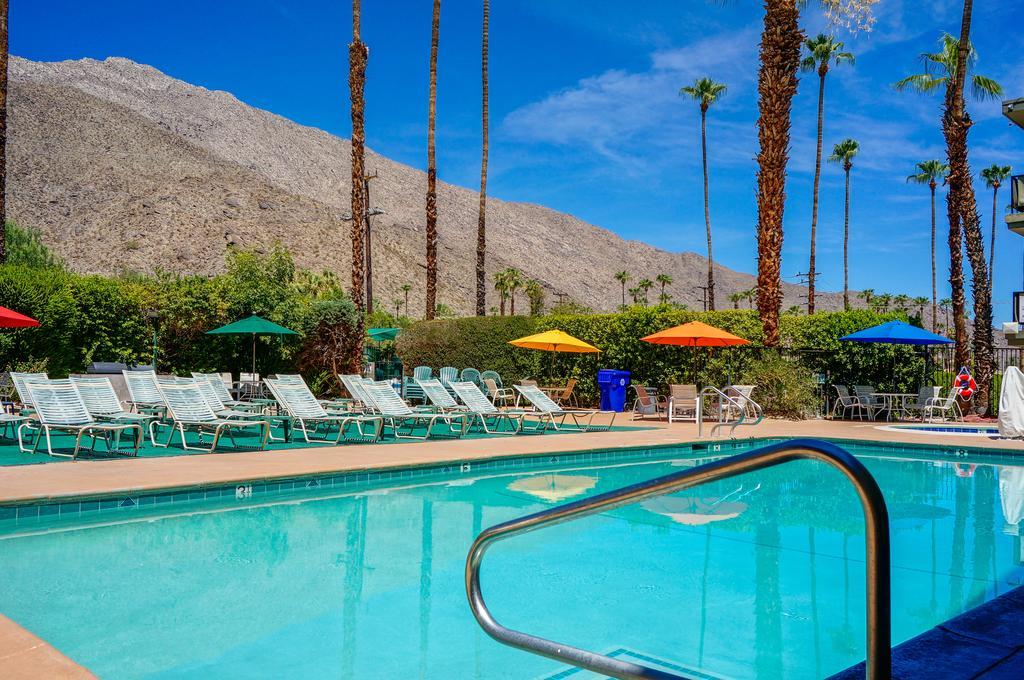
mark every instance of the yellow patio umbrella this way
{"type": "Point", "coordinates": [555, 341]}
{"type": "Point", "coordinates": [554, 488]}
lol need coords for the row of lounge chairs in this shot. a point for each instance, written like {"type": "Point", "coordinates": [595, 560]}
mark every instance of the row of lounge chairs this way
{"type": "Point", "coordinates": [89, 409]}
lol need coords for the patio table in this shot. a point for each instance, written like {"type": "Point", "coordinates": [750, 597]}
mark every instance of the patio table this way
{"type": "Point", "coordinates": [893, 402]}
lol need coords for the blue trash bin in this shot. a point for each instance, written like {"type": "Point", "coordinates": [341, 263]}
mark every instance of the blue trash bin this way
{"type": "Point", "coordinates": [613, 385]}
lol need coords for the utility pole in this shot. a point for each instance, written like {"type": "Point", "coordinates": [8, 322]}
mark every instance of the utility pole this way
{"type": "Point", "coordinates": [367, 248]}
{"type": "Point", "coordinates": [704, 296]}
{"type": "Point", "coordinates": [804, 280]}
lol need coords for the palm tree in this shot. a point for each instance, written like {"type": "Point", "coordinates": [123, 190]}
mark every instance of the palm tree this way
{"type": "Point", "coordinates": [920, 302]}
{"type": "Point", "coordinates": [930, 173]}
{"type": "Point", "coordinates": [645, 285]}
{"type": "Point", "coordinates": [779, 55]}
{"type": "Point", "coordinates": [397, 302]}
{"type": "Point", "coordinates": [406, 287]}
{"type": "Point", "coordinates": [994, 176]}
{"type": "Point", "coordinates": [635, 294]}
{"type": "Point", "coordinates": [501, 286]}
{"type": "Point", "coordinates": [735, 298]}
{"type": "Point", "coordinates": [623, 277]}
{"type": "Point", "coordinates": [357, 55]}
{"type": "Point", "coordinates": [3, 131]}
{"type": "Point", "coordinates": [750, 294]}
{"type": "Point", "coordinates": [867, 295]}
{"type": "Point", "coordinates": [535, 293]}
{"type": "Point", "coordinates": [843, 152]}
{"type": "Point", "coordinates": [481, 227]}
{"type": "Point", "coordinates": [945, 304]}
{"type": "Point", "coordinates": [664, 280]}
{"type": "Point", "coordinates": [902, 302]}
{"type": "Point", "coordinates": [948, 69]}
{"type": "Point", "coordinates": [513, 281]}
{"type": "Point", "coordinates": [706, 92]}
{"type": "Point", "coordinates": [435, 28]}
{"type": "Point", "coordinates": [822, 51]}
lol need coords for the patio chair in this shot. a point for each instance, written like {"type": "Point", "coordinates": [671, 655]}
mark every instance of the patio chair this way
{"type": "Point", "coordinates": [448, 374]}
{"type": "Point", "coordinates": [487, 414]}
{"type": "Point", "coordinates": [354, 386]}
{"type": "Point", "coordinates": [399, 415]}
{"type": "Point", "coordinates": [59, 408]}
{"type": "Point", "coordinates": [20, 379]}
{"type": "Point", "coordinates": [304, 410]}
{"type": "Point", "coordinates": [470, 375]}
{"type": "Point", "coordinates": [220, 409]}
{"type": "Point", "coordinates": [103, 404]}
{"type": "Point", "coordinates": [438, 396]}
{"type": "Point", "coordinates": [189, 411]}
{"type": "Point", "coordinates": [249, 385]}
{"type": "Point", "coordinates": [648, 402]}
{"type": "Point", "coordinates": [866, 395]}
{"type": "Point", "coordinates": [682, 402]}
{"type": "Point", "coordinates": [554, 416]}
{"type": "Point", "coordinates": [491, 375]}
{"type": "Point", "coordinates": [742, 395]}
{"type": "Point", "coordinates": [944, 406]}
{"type": "Point", "coordinates": [925, 396]}
{"type": "Point", "coordinates": [144, 392]}
{"type": "Point", "coordinates": [850, 404]}
{"type": "Point", "coordinates": [220, 388]}
{"type": "Point", "coordinates": [499, 396]}
{"type": "Point", "coordinates": [567, 397]}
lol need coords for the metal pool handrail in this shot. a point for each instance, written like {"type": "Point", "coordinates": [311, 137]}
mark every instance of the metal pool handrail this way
{"type": "Point", "coordinates": [741, 407]}
{"type": "Point", "coordinates": [876, 520]}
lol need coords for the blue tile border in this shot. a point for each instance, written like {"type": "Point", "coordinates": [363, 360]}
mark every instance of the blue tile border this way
{"type": "Point", "coordinates": [248, 490]}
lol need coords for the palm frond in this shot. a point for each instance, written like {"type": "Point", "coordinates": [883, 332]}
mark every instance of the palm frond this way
{"type": "Point", "coordinates": [921, 82]}
{"type": "Point", "coordinates": [983, 87]}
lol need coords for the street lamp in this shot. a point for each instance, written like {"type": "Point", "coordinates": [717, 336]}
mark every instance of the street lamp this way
{"type": "Point", "coordinates": [153, 316]}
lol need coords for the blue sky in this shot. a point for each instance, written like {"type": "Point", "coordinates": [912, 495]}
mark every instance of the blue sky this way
{"type": "Point", "coordinates": [585, 113]}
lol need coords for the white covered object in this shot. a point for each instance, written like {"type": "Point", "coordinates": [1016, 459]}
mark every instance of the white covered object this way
{"type": "Point", "coordinates": [1011, 403]}
{"type": "Point", "coordinates": [1011, 493]}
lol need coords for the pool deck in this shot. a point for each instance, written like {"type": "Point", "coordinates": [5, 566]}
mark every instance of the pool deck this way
{"type": "Point", "coordinates": [23, 655]}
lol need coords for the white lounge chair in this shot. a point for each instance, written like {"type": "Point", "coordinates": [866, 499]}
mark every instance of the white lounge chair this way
{"type": "Point", "coordinates": [304, 410]}
{"type": "Point", "coordinates": [220, 388]}
{"type": "Point", "coordinates": [213, 398]}
{"type": "Point", "coordinates": [354, 386]}
{"type": "Point", "coordinates": [144, 391]}
{"type": "Point", "coordinates": [59, 408]}
{"type": "Point", "coordinates": [487, 414]}
{"type": "Point", "coordinates": [20, 379]}
{"type": "Point", "coordinates": [554, 416]}
{"type": "Point", "coordinates": [438, 396]}
{"type": "Point", "coordinates": [190, 412]}
{"type": "Point", "coordinates": [103, 404]}
{"type": "Point", "coordinates": [399, 415]}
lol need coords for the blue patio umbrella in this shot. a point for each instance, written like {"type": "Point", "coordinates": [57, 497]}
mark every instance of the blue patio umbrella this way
{"type": "Point", "coordinates": [897, 333]}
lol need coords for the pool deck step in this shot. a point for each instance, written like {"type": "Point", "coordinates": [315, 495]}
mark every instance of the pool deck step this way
{"type": "Point", "coordinates": [984, 642]}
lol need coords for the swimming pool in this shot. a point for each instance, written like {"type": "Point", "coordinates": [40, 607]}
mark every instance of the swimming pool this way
{"type": "Point", "coordinates": [959, 429]}
{"type": "Point", "coordinates": [758, 575]}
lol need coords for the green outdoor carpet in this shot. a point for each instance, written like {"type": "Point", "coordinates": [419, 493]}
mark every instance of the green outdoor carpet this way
{"type": "Point", "coordinates": [10, 455]}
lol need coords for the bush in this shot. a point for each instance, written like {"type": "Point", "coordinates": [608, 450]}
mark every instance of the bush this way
{"type": "Point", "coordinates": [784, 387]}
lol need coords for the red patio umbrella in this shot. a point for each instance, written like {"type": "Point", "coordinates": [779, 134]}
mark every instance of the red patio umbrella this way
{"type": "Point", "coordinates": [11, 319]}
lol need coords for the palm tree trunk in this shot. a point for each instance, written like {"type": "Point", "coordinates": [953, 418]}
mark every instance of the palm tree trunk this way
{"type": "Point", "coordinates": [368, 246]}
{"type": "Point", "coordinates": [431, 301]}
{"type": "Point", "coordinates": [992, 243]}
{"type": "Point", "coordinates": [963, 209]}
{"type": "Point", "coordinates": [512, 302]}
{"type": "Point", "coordinates": [623, 293]}
{"type": "Point", "coordinates": [481, 228]}
{"type": "Point", "coordinates": [811, 271]}
{"type": "Point", "coordinates": [935, 318]}
{"type": "Point", "coordinates": [707, 207]}
{"type": "Point", "coordinates": [776, 85]}
{"type": "Point", "coordinates": [846, 242]}
{"type": "Point", "coordinates": [3, 131]}
{"type": "Point", "coordinates": [406, 303]}
{"type": "Point", "coordinates": [357, 56]}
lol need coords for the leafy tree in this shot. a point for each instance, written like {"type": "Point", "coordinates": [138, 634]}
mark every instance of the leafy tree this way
{"type": "Point", "coordinates": [535, 293]}
{"type": "Point", "coordinates": [705, 92]}
{"type": "Point", "coordinates": [25, 247]}
{"type": "Point", "coordinates": [822, 51]}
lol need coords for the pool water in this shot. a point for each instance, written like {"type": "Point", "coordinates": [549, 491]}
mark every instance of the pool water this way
{"type": "Point", "coordinates": [761, 575]}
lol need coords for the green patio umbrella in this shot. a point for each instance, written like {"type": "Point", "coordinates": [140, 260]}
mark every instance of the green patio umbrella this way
{"type": "Point", "coordinates": [382, 334]}
{"type": "Point", "coordinates": [253, 325]}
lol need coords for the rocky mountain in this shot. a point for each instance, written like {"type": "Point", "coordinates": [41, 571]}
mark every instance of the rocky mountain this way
{"type": "Point", "coordinates": [124, 168]}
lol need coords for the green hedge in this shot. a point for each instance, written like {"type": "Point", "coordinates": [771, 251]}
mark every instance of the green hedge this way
{"type": "Point", "coordinates": [812, 341]}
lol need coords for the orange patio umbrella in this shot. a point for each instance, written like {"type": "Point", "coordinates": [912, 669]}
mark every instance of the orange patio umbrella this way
{"type": "Point", "coordinates": [695, 334]}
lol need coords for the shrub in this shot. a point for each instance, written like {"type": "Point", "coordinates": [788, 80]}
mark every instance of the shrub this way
{"type": "Point", "coordinates": [783, 386]}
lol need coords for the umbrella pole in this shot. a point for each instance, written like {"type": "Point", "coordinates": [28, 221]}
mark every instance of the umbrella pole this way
{"type": "Point", "coordinates": [253, 356]}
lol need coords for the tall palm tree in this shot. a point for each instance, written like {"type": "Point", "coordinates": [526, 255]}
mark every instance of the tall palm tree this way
{"type": "Point", "coordinates": [867, 295]}
{"type": "Point", "coordinates": [930, 173]}
{"type": "Point", "coordinates": [779, 55]}
{"type": "Point", "coordinates": [705, 92]}
{"type": "Point", "coordinates": [535, 293]}
{"type": "Point", "coordinates": [843, 153]}
{"type": "Point", "coordinates": [665, 280]}
{"type": "Point", "coordinates": [994, 176]}
{"type": "Point", "coordinates": [945, 304]}
{"type": "Point", "coordinates": [481, 227]}
{"type": "Point", "coordinates": [357, 56]}
{"type": "Point", "coordinates": [947, 69]}
{"type": "Point", "coordinates": [514, 281]}
{"type": "Point", "coordinates": [3, 131]}
{"type": "Point", "coordinates": [397, 302]}
{"type": "Point", "coordinates": [735, 298]}
{"type": "Point", "coordinates": [501, 287]}
{"type": "Point", "coordinates": [635, 294]}
{"type": "Point", "coordinates": [406, 287]}
{"type": "Point", "coordinates": [623, 277]}
{"type": "Point", "coordinates": [821, 52]}
{"type": "Point", "coordinates": [435, 28]}
{"type": "Point", "coordinates": [920, 302]}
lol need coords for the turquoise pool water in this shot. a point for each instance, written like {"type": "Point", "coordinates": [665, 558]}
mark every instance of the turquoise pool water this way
{"type": "Point", "coordinates": [757, 576]}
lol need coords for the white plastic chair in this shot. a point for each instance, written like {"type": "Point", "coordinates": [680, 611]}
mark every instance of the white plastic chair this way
{"type": "Point", "coordinates": [399, 415]}
{"type": "Point", "coordinates": [487, 414]}
{"type": "Point", "coordinates": [60, 408]}
{"type": "Point", "coordinates": [103, 404]}
{"type": "Point", "coordinates": [189, 411]}
{"type": "Point", "coordinates": [554, 416]}
{"type": "Point", "coordinates": [302, 407]}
